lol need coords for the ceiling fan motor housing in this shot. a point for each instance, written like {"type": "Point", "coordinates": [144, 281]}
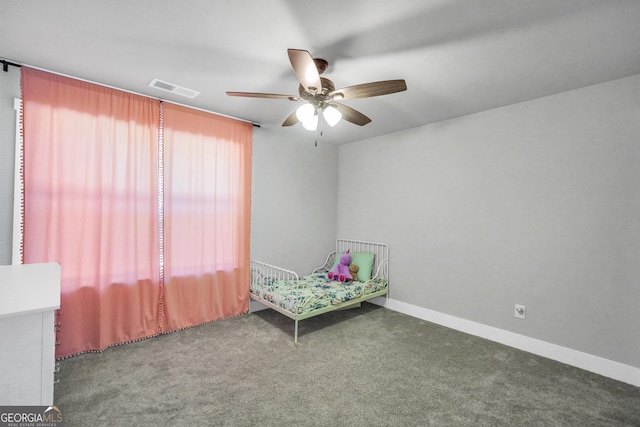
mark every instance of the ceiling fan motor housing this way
{"type": "Point", "coordinates": [320, 98]}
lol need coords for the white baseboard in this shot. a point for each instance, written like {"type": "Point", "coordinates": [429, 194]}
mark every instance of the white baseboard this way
{"type": "Point", "coordinates": [595, 364]}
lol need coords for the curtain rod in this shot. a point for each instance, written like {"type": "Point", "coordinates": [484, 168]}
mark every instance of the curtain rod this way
{"type": "Point", "coordinates": [5, 67]}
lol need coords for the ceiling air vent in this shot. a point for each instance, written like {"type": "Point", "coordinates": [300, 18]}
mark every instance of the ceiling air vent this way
{"type": "Point", "coordinates": [170, 87]}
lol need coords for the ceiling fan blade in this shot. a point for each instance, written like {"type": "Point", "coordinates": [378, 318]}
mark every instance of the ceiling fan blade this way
{"type": "Point", "coordinates": [306, 71]}
{"type": "Point", "coordinates": [291, 120]}
{"type": "Point", "coordinates": [264, 95]}
{"type": "Point", "coordinates": [367, 90]}
{"type": "Point", "coordinates": [351, 115]}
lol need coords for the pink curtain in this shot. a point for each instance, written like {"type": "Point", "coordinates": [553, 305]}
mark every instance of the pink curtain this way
{"type": "Point", "coordinates": [207, 190]}
{"type": "Point", "coordinates": [90, 174]}
{"type": "Point", "coordinates": [93, 158]}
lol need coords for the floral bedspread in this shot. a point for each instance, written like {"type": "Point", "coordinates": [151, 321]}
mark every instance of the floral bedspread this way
{"type": "Point", "coordinates": [313, 292]}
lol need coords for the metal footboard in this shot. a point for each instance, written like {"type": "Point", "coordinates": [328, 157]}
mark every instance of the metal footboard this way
{"type": "Point", "coordinates": [261, 272]}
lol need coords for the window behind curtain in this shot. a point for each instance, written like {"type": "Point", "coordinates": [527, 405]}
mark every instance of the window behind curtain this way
{"type": "Point", "coordinates": [92, 157]}
{"type": "Point", "coordinates": [207, 188]}
{"type": "Point", "coordinates": [90, 174]}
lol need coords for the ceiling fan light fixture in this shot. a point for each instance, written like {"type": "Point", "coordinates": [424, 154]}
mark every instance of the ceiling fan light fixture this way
{"type": "Point", "coordinates": [305, 112]}
{"type": "Point", "coordinates": [311, 123]}
{"type": "Point", "coordinates": [332, 115]}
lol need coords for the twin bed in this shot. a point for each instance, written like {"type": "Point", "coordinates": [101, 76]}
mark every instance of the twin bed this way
{"type": "Point", "coordinates": [300, 298]}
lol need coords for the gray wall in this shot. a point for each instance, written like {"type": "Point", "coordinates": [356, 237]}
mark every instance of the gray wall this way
{"type": "Point", "coordinates": [536, 203]}
{"type": "Point", "coordinates": [9, 90]}
{"type": "Point", "coordinates": [293, 222]}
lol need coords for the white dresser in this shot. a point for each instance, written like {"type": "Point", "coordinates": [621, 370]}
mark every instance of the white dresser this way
{"type": "Point", "coordinates": [29, 296]}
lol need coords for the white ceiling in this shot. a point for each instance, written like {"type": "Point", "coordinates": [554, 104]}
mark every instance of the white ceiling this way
{"type": "Point", "coordinates": [457, 56]}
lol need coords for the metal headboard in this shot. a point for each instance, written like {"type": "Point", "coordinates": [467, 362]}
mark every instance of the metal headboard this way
{"type": "Point", "coordinates": [380, 251]}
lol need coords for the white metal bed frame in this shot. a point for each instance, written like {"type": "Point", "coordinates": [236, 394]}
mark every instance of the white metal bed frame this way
{"type": "Point", "coordinates": [261, 271]}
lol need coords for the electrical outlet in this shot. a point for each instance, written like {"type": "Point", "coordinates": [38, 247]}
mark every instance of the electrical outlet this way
{"type": "Point", "coordinates": [520, 311]}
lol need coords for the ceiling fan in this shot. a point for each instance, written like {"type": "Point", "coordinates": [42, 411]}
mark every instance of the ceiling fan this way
{"type": "Point", "coordinates": [321, 96]}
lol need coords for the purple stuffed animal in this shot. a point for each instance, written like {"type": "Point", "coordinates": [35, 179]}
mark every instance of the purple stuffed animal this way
{"type": "Point", "coordinates": [341, 271]}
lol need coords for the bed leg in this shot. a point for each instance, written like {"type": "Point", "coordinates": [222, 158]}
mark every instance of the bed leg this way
{"type": "Point", "coordinates": [295, 333]}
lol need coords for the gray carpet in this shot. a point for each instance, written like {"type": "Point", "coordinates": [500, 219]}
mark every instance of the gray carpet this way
{"type": "Point", "coordinates": [368, 366]}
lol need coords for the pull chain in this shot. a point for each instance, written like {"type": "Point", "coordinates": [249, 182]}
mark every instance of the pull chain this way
{"type": "Point", "coordinates": [320, 131]}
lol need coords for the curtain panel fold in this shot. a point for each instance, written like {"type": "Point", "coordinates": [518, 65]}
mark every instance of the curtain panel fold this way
{"type": "Point", "coordinates": [92, 157]}
{"type": "Point", "coordinates": [207, 190]}
{"type": "Point", "coordinates": [90, 173]}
